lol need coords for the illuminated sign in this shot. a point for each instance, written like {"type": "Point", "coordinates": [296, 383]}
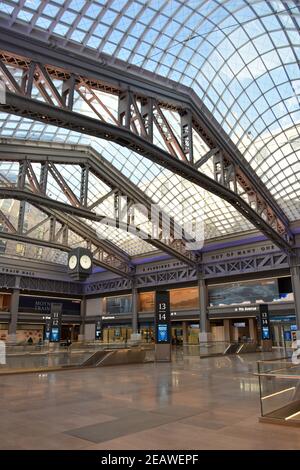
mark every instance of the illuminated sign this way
{"type": "Point", "coordinates": [265, 322]}
{"type": "Point", "coordinates": [56, 314]}
{"type": "Point", "coordinates": [246, 309]}
{"type": "Point", "coordinates": [162, 317]}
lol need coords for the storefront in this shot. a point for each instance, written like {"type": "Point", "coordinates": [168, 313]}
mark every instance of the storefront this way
{"type": "Point", "coordinates": [283, 328]}
{"type": "Point", "coordinates": [34, 312]}
{"type": "Point", "coordinates": [4, 302]}
{"type": "Point", "coordinates": [186, 298]}
{"type": "Point", "coordinates": [116, 328]}
{"type": "Point", "coordinates": [234, 308]}
{"type": "Point", "coordinates": [242, 323]}
{"type": "Point", "coordinates": [184, 304]}
{"type": "Point", "coordinates": [117, 316]}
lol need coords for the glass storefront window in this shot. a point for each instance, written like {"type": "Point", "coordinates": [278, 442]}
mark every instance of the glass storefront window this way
{"type": "Point", "coordinates": [180, 299]}
{"type": "Point", "coordinates": [4, 302]}
{"type": "Point", "coordinates": [263, 290]}
{"type": "Point", "coordinates": [116, 334]}
{"type": "Point", "coordinates": [120, 304]}
{"type": "Point", "coordinates": [146, 302]}
{"type": "Point", "coordinates": [183, 299]}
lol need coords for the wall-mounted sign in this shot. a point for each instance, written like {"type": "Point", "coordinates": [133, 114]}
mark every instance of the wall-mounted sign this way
{"type": "Point", "coordinates": [33, 304]}
{"type": "Point", "coordinates": [265, 322]}
{"type": "Point", "coordinates": [98, 329]}
{"type": "Point", "coordinates": [56, 315]}
{"type": "Point", "coordinates": [246, 309]}
{"type": "Point", "coordinates": [239, 325]}
{"type": "Point", "coordinates": [20, 272]}
{"type": "Point", "coordinates": [235, 253]}
{"type": "Point", "coordinates": [162, 317]}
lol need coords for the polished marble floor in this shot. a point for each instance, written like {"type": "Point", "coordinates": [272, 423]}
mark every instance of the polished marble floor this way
{"type": "Point", "coordinates": [210, 403]}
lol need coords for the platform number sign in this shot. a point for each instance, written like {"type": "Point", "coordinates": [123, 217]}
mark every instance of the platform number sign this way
{"type": "Point", "coordinates": [162, 317]}
{"type": "Point", "coordinates": [265, 322]}
{"type": "Point", "coordinates": [56, 317]}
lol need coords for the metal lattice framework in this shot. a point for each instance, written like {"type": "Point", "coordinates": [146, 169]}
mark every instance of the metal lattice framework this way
{"type": "Point", "coordinates": [44, 85]}
{"type": "Point", "coordinates": [32, 185]}
{"type": "Point", "coordinates": [243, 265]}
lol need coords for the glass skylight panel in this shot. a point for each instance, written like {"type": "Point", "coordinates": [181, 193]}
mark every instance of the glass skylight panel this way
{"type": "Point", "coordinates": [236, 32]}
{"type": "Point", "coordinates": [5, 8]}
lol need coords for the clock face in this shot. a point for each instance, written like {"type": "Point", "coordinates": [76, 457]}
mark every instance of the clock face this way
{"type": "Point", "coordinates": [85, 262]}
{"type": "Point", "coordinates": [72, 262]}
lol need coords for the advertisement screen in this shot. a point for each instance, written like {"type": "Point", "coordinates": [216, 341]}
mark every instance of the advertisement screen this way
{"type": "Point", "coordinates": [54, 334]}
{"type": "Point", "coordinates": [265, 332]}
{"type": "Point", "coordinates": [288, 336]}
{"type": "Point", "coordinates": [162, 334]}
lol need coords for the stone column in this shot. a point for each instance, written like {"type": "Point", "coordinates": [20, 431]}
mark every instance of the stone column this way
{"type": "Point", "coordinates": [134, 311]}
{"type": "Point", "coordinates": [82, 318]}
{"type": "Point", "coordinates": [14, 308]}
{"type": "Point", "coordinates": [295, 275]}
{"type": "Point", "coordinates": [204, 323]}
{"type": "Point", "coordinates": [252, 330]}
{"type": "Point", "coordinates": [184, 332]}
{"type": "Point", "coordinates": [227, 330]}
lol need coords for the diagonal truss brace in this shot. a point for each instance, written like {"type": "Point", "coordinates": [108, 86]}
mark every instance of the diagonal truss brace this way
{"type": "Point", "coordinates": [91, 162]}
{"type": "Point", "coordinates": [142, 102]}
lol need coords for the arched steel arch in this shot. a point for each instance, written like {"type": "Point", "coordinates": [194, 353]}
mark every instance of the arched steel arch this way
{"type": "Point", "coordinates": [141, 100]}
{"type": "Point", "coordinates": [49, 155]}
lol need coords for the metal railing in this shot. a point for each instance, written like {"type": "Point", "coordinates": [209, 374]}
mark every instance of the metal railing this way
{"type": "Point", "coordinates": [218, 348]}
{"type": "Point", "coordinates": [46, 356]}
{"type": "Point", "coordinates": [279, 386]}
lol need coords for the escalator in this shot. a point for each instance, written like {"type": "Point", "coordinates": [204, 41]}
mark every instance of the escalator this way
{"type": "Point", "coordinates": [232, 348]}
{"type": "Point", "coordinates": [108, 357]}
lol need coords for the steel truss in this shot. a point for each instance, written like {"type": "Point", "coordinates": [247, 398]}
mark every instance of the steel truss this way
{"type": "Point", "coordinates": [142, 99]}
{"type": "Point", "coordinates": [58, 239]}
{"type": "Point", "coordinates": [35, 192]}
{"type": "Point", "coordinates": [211, 270]}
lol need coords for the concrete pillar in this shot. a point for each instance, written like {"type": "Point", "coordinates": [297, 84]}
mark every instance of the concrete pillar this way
{"type": "Point", "coordinates": [204, 334]}
{"type": "Point", "coordinates": [252, 330]}
{"type": "Point", "coordinates": [184, 332]}
{"type": "Point", "coordinates": [82, 318]}
{"type": "Point", "coordinates": [14, 308]}
{"type": "Point", "coordinates": [227, 330]}
{"type": "Point", "coordinates": [295, 275]}
{"type": "Point", "coordinates": [235, 333]}
{"type": "Point", "coordinates": [134, 310]}
{"type": "Point", "coordinates": [89, 331]}
{"type": "Point", "coordinates": [90, 307]}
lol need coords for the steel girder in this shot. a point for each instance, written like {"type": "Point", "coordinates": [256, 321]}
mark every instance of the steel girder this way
{"type": "Point", "coordinates": [59, 240]}
{"type": "Point", "coordinates": [106, 254]}
{"type": "Point", "coordinates": [142, 97]}
{"type": "Point", "coordinates": [91, 162]}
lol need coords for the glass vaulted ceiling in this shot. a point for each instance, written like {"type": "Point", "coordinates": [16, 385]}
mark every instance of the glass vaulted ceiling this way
{"type": "Point", "coordinates": [241, 58]}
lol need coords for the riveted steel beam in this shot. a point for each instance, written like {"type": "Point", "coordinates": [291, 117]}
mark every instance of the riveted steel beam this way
{"type": "Point", "coordinates": [21, 51]}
